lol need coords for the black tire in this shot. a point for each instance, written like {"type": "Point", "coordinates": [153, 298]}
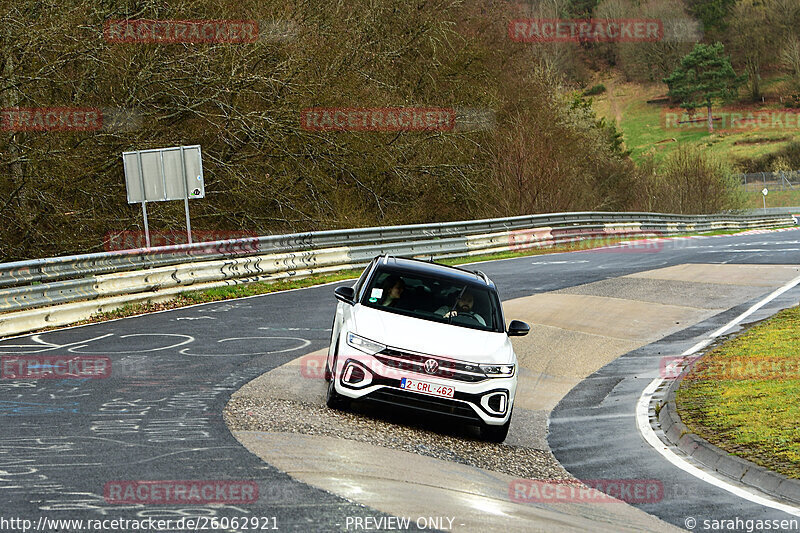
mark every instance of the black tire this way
{"type": "Point", "coordinates": [327, 373]}
{"type": "Point", "coordinates": [495, 433]}
{"type": "Point", "coordinates": [333, 399]}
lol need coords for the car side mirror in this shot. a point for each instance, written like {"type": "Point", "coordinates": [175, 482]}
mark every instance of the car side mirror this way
{"type": "Point", "coordinates": [345, 294]}
{"type": "Point", "coordinates": [518, 328]}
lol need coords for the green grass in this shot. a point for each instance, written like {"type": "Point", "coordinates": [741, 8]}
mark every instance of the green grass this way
{"type": "Point", "coordinates": [645, 132]}
{"type": "Point", "coordinates": [790, 198]}
{"type": "Point", "coordinates": [743, 395]}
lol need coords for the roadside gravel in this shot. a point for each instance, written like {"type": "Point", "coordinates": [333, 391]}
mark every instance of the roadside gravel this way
{"type": "Point", "coordinates": [447, 443]}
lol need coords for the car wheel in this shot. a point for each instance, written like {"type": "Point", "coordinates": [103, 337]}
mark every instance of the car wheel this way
{"type": "Point", "coordinates": [333, 399]}
{"type": "Point", "coordinates": [495, 433]}
{"type": "Point", "coordinates": [327, 373]}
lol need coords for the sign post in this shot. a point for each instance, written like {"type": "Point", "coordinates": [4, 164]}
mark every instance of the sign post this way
{"type": "Point", "coordinates": [764, 192]}
{"type": "Point", "coordinates": [186, 197]}
{"type": "Point", "coordinates": [144, 203]}
{"type": "Point", "coordinates": [164, 174]}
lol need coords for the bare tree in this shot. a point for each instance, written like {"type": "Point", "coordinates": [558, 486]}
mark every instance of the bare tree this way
{"type": "Point", "coordinates": [753, 47]}
{"type": "Point", "coordinates": [652, 61]}
{"type": "Point", "coordinates": [790, 59]}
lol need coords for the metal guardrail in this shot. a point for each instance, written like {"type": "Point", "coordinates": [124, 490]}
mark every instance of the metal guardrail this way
{"type": "Point", "coordinates": [52, 281]}
{"type": "Point", "coordinates": [70, 267]}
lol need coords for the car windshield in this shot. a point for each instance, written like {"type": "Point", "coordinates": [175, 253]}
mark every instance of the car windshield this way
{"type": "Point", "coordinates": [435, 299]}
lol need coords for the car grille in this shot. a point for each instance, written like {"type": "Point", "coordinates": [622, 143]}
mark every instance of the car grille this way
{"type": "Point", "coordinates": [424, 403]}
{"type": "Point", "coordinates": [447, 368]}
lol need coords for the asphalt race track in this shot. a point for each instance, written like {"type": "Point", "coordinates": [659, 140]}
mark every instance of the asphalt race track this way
{"type": "Point", "coordinates": [609, 445]}
{"type": "Point", "coordinates": [158, 416]}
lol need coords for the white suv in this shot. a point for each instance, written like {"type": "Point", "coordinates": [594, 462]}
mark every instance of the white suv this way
{"type": "Point", "coordinates": [426, 336]}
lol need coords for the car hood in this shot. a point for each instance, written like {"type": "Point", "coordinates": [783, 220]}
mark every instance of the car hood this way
{"type": "Point", "coordinates": [432, 338]}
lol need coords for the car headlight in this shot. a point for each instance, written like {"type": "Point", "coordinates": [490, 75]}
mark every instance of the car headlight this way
{"type": "Point", "coordinates": [364, 345]}
{"type": "Point", "coordinates": [498, 371]}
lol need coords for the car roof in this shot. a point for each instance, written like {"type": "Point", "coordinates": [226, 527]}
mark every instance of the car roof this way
{"type": "Point", "coordinates": [403, 264]}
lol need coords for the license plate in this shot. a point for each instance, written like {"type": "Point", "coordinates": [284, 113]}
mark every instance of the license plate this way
{"type": "Point", "coordinates": [424, 387]}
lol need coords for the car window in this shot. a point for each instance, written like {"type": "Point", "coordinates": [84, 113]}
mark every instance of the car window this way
{"type": "Point", "coordinates": [361, 279]}
{"type": "Point", "coordinates": [435, 299]}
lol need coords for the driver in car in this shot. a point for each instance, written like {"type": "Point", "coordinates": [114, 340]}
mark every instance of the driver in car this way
{"type": "Point", "coordinates": [463, 307]}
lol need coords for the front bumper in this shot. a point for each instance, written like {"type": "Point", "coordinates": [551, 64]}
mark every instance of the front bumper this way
{"type": "Point", "coordinates": [361, 376]}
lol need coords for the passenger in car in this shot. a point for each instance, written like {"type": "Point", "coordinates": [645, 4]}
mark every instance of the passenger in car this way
{"type": "Point", "coordinates": [393, 288]}
{"type": "Point", "coordinates": [463, 307]}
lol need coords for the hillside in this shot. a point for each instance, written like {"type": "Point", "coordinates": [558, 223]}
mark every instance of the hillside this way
{"type": "Point", "coordinates": [646, 131]}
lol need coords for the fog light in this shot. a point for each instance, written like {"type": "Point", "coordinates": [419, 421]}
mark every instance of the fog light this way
{"type": "Point", "coordinates": [495, 403]}
{"type": "Point", "coordinates": [355, 375]}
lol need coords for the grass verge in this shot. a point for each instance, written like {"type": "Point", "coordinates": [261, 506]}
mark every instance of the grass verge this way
{"type": "Point", "coordinates": [755, 200]}
{"type": "Point", "coordinates": [742, 395]}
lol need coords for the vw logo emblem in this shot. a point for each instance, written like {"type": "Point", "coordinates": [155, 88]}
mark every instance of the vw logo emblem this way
{"type": "Point", "coordinates": [431, 366]}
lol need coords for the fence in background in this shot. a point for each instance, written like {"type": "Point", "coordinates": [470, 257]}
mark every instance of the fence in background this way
{"type": "Point", "coordinates": [774, 181]}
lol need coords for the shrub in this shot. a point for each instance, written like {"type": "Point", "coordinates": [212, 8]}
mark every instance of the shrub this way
{"type": "Point", "coordinates": [790, 153]}
{"type": "Point", "coordinates": [595, 90]}
{"type": "Point", "coordinates": [689, 181]}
